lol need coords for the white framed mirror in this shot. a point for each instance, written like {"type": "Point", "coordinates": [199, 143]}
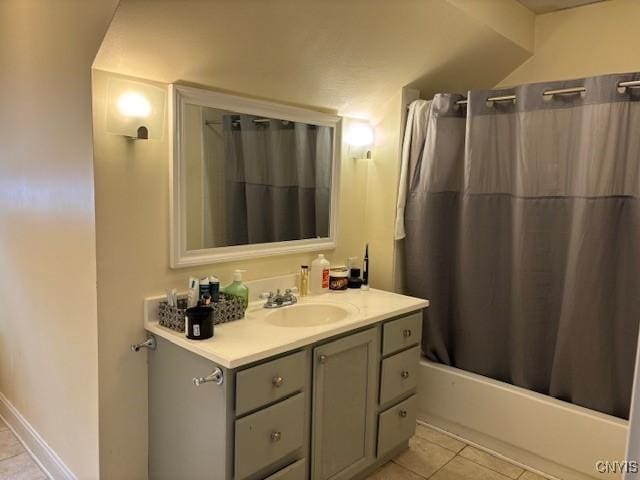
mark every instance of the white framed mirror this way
{"type": "Point", "coordinates": [249, 178]}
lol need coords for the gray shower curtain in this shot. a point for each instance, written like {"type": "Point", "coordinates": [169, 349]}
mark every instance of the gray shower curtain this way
{"type": "Point", "coordinates": [522, 227]}
{"type": "Point", "coordinates": [278, 179]}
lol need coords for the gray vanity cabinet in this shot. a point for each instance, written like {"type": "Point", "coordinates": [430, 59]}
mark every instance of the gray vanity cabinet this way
{"type": "Point", "coordinates": [189, 426]}
{"type": "Point", "coordinates": [332, 410]}
{"type": "Point", "coordinates": [344, 403]}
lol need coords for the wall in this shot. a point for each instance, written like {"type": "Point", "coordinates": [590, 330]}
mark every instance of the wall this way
{"type": "Point", "coordinates": [580, 42]}
{"type": "Point", "coordinates": [132, 219]}
{"type": "Point", "coordinates": [382, 191]}
{"type": "Point", "coordinates": [48, 319]}
{"type": "Point", "coordinates": [347, 56]}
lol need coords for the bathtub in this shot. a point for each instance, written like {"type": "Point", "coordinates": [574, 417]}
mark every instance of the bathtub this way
{"type": "Point", "coordinates": [535, 430]}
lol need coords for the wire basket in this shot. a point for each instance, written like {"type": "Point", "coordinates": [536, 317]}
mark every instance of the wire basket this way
{"type": "Point", "coordinates": [227, 309]}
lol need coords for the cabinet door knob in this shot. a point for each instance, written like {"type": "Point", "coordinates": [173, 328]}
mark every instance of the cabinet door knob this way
{"type": "Point", "coordinates": [277, 381]}
{"type": "Point", "coordinates": [406, 333]}
{"type": "Point", "coordinates": [322, 358]}
{"type": "Point", "coordinates": [276, 436]}
{"type": "Point", "coordinates": [404, 374]}
{"type": "Point", "coordinates": [403, 413]}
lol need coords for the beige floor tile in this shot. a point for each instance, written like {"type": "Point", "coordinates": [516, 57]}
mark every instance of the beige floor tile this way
{"type": "Point", "coordinates": [527, 475]}
{"type": "Point", "coordinates": [9, 445]}
{"type": "Point", "coordinates": [494, 463]}
{"type": "Point", "coordinates": [393, 471]}
{"type": "Point", "coordinates": [20, 467]}
{"type": "Point", "coordinates": [462, 469]}
{"type": "Point", "coordinates": [438, 438]}
{"type": "Point", "coordinates": [424, 457]}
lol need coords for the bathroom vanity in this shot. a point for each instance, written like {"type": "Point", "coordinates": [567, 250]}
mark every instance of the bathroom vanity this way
{"type": "Point", "coordinates": [324, 389]}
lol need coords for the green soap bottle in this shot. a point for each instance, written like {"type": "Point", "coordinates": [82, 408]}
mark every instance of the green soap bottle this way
{"type": "Point", "coordinates": [238, 288]}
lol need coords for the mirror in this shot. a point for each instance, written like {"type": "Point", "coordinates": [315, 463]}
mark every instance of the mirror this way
{"type": "Point", "coordinates": [250, 178]}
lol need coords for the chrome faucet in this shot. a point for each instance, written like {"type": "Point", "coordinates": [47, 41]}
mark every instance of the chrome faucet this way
{"type": "Point", "coordinates": [277, 300]}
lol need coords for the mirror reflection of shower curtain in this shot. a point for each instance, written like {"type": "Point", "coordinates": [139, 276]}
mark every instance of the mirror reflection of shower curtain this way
{"type": "Point", "coordinates": [523, 229]}
{"type": "Point", "coordinates": [278, 180]}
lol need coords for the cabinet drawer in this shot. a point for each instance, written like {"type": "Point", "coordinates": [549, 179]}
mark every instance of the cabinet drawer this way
{"type": "Point", "coordinates": [399, 374]}
{"type": "Point", "coordinates": [266, 383]}
{"type": "Point", "coordinates": [401, 333]}
{"type": "Point", "coordinates": [267, 436]}
{"type": "Point", "coordinates": [396, 425]}
{"type": "Point", "coordinates": [295, 471]}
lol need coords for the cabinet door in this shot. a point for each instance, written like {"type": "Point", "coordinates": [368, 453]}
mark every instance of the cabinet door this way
{"type": "Point", "coordinates": [344, 396]}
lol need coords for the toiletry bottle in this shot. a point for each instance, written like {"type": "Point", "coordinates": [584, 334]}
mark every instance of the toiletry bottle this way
{"type": "Point", "coordinates": [354, 273]}
{"type": "Point", "coordinates": [214, 288]}
{"type": "Point", "coordinates": [365, 269]}
{"type": "Point", "coordinates": [304, 280]}
{"type": "Point", "coordinates": [204, 287]}
{"type": "Point", "coordinates": [319, 281]}
{"type": "Point", "coordinates": [194, 292]}
{"type": "Point", "coordinates": [354, 278]}
{"type": "Point", "coordinates": [238, 288]}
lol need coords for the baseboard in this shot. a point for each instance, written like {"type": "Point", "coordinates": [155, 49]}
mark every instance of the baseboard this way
{"type": "Point", "coordinates": [41, 452]}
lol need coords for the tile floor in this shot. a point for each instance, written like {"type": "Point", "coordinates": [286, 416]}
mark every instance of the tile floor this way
{"type": "Point", "coordinates": [15, 461]}
{"type": "Point", "coordinates": [437, 456]}
{"type": "Point", "coordinates": [431, 454]}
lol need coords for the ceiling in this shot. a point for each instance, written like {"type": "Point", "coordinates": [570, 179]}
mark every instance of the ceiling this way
{"type": "Point", "coordinates": [348, 57]}
{"type": "Point", "coordinates": [546, 6]}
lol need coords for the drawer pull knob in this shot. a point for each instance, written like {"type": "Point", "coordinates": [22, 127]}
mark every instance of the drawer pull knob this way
{"type": "Point", "coordinates": [276, 436]}
{"type": "Point", "coordinates": [322, 358]}
{"type": "Point", "coordinates": [404, 374]}
{"type": "Point", "coordinates": [277, 381]}
{"type": "Point", "coordinates": [403, 413]}
{"type": "Point", "coordinates": [406, 333]}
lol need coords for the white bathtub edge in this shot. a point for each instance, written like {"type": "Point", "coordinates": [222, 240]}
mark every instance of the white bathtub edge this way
{"type": "Point", "coordinates": [538, 431]}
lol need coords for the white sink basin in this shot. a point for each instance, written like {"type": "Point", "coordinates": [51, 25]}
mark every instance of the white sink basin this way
{"type": "Point", "coordinates": [307, 315]}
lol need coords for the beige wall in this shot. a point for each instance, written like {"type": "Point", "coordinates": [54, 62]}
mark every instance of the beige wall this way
{"type": "Point", "coordinates": [132, 219]}
{"type": "Point", "coordinates": [579, 42]}
{"type": "Point", "coordinates": [508, 18]}
{"type": "Point", "coordinates": [48, 322]}
{"type": "Point", "coordinates": [382, 184]}
{"type": "Point", "coordinates": [350, 56]}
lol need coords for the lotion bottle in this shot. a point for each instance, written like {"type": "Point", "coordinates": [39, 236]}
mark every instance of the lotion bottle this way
{"type": "Point", "coordinates": [238, 288]}
{"type": "Point", "coordinates": [319, 281]}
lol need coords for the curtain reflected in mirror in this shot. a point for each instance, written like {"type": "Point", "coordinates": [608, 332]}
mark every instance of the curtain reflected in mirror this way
{"type": "Point", "coordinates": [253, 180]}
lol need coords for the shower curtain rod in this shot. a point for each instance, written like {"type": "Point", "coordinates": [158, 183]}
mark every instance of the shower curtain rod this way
{"type": "Point", "coordinates": [255, 120]}
{"type": "Point", "coordinates": [560, 91]}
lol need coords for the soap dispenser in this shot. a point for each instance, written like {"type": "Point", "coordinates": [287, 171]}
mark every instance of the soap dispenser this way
{"type": "Point", "coordinates": [238, 288]}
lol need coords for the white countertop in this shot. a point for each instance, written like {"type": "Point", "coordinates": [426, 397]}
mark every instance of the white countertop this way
{"type": "Point", "coordinates": [240, 342]}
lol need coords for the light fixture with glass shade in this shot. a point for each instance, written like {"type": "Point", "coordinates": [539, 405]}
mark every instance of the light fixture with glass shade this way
{"type": "Point", "coordinates": [135, 109]}
{"type": "Point", "coordinates": [359, 138]}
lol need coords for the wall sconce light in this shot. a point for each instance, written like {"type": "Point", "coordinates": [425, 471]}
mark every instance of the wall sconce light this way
{"type": "Point", "coordinates": [135, 110]}
{"type": "Point", "coordinates": [359, 139]}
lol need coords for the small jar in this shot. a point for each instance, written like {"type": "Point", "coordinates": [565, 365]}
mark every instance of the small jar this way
{"type": "Point", "coordinates": [354, 278]}
{"type": "Point", "coordinates": [338, 278]}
